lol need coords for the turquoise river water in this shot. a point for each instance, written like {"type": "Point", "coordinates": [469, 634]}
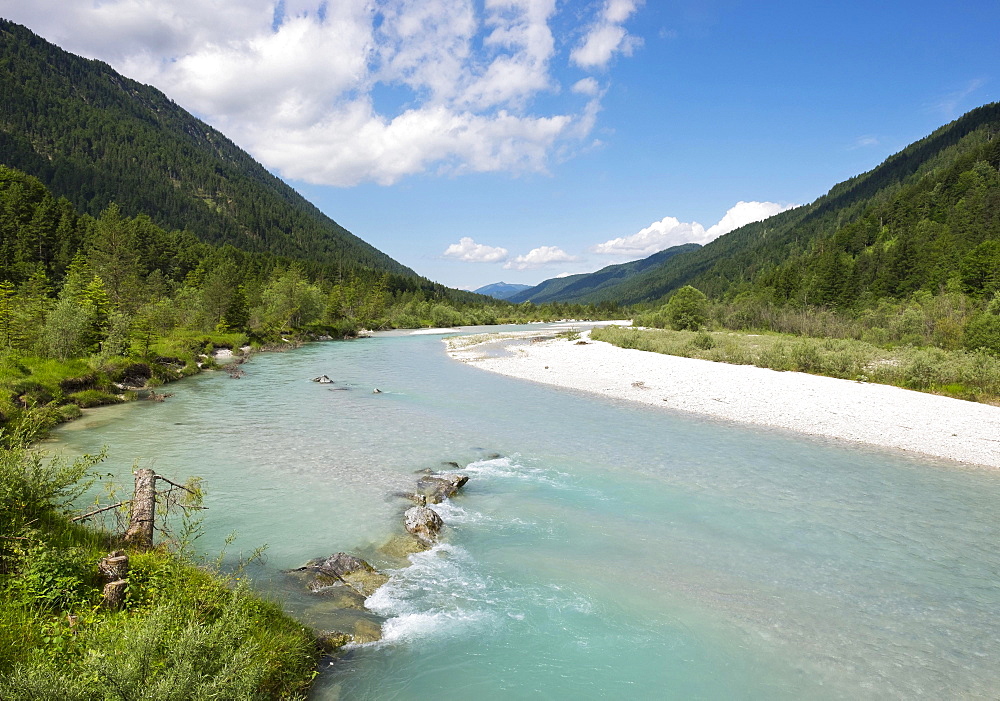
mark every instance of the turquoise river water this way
{"type": "Point", "coordinates": [611, 552]}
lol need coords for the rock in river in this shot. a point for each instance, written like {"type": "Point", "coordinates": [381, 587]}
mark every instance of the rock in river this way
{"type": "Point", "coordinates": [341, 568]}
{"type": "Point", "coordinates": [422, 522]}
{"type": "Point", "coordinates": [439, 487]}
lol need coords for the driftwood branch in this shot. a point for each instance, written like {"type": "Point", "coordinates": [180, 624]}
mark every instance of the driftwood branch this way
{"type": "Point", "coordinates": [102, 509]}
{"type": "Point", "coordinates": [179, 486]}
{"type": "Point", "coordinates": [186, 506]}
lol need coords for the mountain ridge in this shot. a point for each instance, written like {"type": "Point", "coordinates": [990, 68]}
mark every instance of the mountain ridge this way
{"type": "Point", "coordinates": [96, 137]}
{"type": "Point", "coordinates": [862, 239]}
{"type": "Point", "coordinates": [501, 290]}
{"type": "Point", "coordinates": [572, 287]}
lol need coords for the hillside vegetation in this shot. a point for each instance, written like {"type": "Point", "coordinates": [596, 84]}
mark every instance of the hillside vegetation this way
{"type": "Point", "coordinates": [927, 219]}
{"type": "Point", "coordinates": [96, 137]}
{"type": "Point", "coordinates": [88, 305]}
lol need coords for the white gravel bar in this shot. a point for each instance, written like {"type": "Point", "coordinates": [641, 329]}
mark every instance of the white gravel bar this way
{"type": "Point", "coordinates": [873, 414]}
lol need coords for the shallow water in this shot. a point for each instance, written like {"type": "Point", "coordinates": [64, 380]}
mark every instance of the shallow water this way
{"type": "Point", "coordinates": [613, 551]}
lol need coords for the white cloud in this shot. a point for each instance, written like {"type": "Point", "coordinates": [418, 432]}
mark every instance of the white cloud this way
{"type": "Point", "coordinates": [670, 231]}
{"type": "Point", "coordinates": [665, 233]}
{"type": "Point", "coordinates": [586, 86]}
{"type": "Point", "coordinates": [743, 213]}
{"type": "Point", "coordinates": [302, 84]}
{"type": "Point", "coordinates": [539, 257]}
{"type": "Point", "coordinates": [606, 36]}
{"type": "Point", "coordinates": [469, 251]}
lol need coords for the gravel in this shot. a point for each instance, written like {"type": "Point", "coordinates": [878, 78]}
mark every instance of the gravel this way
{"type": "Point", "coordinates": [871, 414]}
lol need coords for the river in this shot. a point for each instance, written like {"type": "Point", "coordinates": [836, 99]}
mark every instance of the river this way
{"type": "Point", "coordinates": [610, 551]}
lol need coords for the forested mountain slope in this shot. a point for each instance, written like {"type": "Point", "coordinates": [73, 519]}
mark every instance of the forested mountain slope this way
{"type": "Point", "coordinates": [928, 218]}
{"type": "Point", "coordinates": [590, 287]}
{"type": "Point", "coordinates": [95, 137]}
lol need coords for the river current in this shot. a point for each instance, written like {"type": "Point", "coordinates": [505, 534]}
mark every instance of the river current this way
{"type": "Point", "coordinates": [610, 551]}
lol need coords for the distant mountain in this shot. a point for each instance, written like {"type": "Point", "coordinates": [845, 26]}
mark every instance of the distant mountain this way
{"type": "Point", "coordinates": [501, 290]}
{"type": "Point", "coordinates": [95, 137]}
{"type": "Point", "coordinates": [928, 218]}
{"type": "Point", "coordinates": [588, 287]}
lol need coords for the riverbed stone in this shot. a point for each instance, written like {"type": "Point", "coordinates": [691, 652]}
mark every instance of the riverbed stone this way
{"type": "Point", "coordinates": [439, 487]}
{"type": "Point", "coordinates": [341, 569]}
{"type": "Point", "coordinates": [366, 631]}
{"type": "Point", "coordinates": [423, 523]}
{"type": "Point", "coordinates": [342, 597]}
{"type": "Point", "coordinates": [418, 499]}
{"type": "Point", "coordinates": [332, 641]}
{"type": "Point", "coordinates": [401, 546]}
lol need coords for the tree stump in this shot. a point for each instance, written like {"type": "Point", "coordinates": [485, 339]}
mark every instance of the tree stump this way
{"type": "Point", "coordinates": [113, 569]}
{"type": "Point", "coordinates": [114, 593]}
{"type": "Point", "coordinates": [140, 527]}
{"type": "Point", "coordinates": [114, 566]}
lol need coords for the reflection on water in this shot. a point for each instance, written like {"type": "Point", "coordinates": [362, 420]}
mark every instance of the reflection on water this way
{"type": "Point", "coordinates": [611, 551]}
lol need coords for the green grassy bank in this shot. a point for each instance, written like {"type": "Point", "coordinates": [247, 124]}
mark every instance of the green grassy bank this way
{"type": "Point", "coordinates": [183, 630]}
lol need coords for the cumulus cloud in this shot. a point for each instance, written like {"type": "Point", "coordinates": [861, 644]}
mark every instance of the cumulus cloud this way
{"type": "Point", "coordinates": [607, 36]}
{"type": "Point", "coordinates": [539, 257]}
{"type": "Point", "coordinates": [665, 233]}
{"type": "Point", "coordinates": [468, 251]}
{"type": "Point", "coordinates": [303, 84]}
{"type": "Point", "coordinates": [586, 86]}
{"type": "Point", "coordinates": [743, 213]}
{"type": "Point", "coordinates": [670, 231]}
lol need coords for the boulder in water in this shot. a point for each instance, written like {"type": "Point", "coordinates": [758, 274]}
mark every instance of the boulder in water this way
{"type": "Point", "coordinates": [340, 597]}
{"type": "Point", "coordinates": [366, 631]}
{"type": "Point", "coordinates": [422, 522]}
{"type": "Point", "coordinates": [332, 641]}
{"type": "Point", "coordinates": [418, 499]}
{"type": "Point", "coordinates": [439, 487]}
{"type": "Point", "coordinates": [401, 546]}
{"type": "Point", "coordinates": [343, 569]}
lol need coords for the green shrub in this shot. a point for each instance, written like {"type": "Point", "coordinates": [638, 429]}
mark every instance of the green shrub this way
{"type": "Point", "coordinates": [31, 392]}
{"type": "Point", "coordinates": [806, 357]}
{"type": "Point", "coordinates": [982, 332]}
{"type": "Point", "coordinates": [32, 487]}
{"type": "Point", "coordinates": [688, 309]}
{"type": "Point", "coordinates": [703, 341]}
{"type": "Point", "coordinates": [56, 578]}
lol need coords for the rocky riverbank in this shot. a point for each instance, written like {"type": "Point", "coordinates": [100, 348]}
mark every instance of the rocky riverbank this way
{"type": "Point", "coordinates": [346, 581]}
{"type": "Point", "coordinates": [860, 412]}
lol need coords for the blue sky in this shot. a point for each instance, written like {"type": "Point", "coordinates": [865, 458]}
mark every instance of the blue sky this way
{"type": "Point", "coordinates": [486, 140]}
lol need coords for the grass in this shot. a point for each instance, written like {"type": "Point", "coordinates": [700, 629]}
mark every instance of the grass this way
{"type": "Point", "coordinates": [47, 391]}
{"type": "Point", "coordinates": [184, 631]}
{"type": "Point", "coordinates": [954, 373]}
